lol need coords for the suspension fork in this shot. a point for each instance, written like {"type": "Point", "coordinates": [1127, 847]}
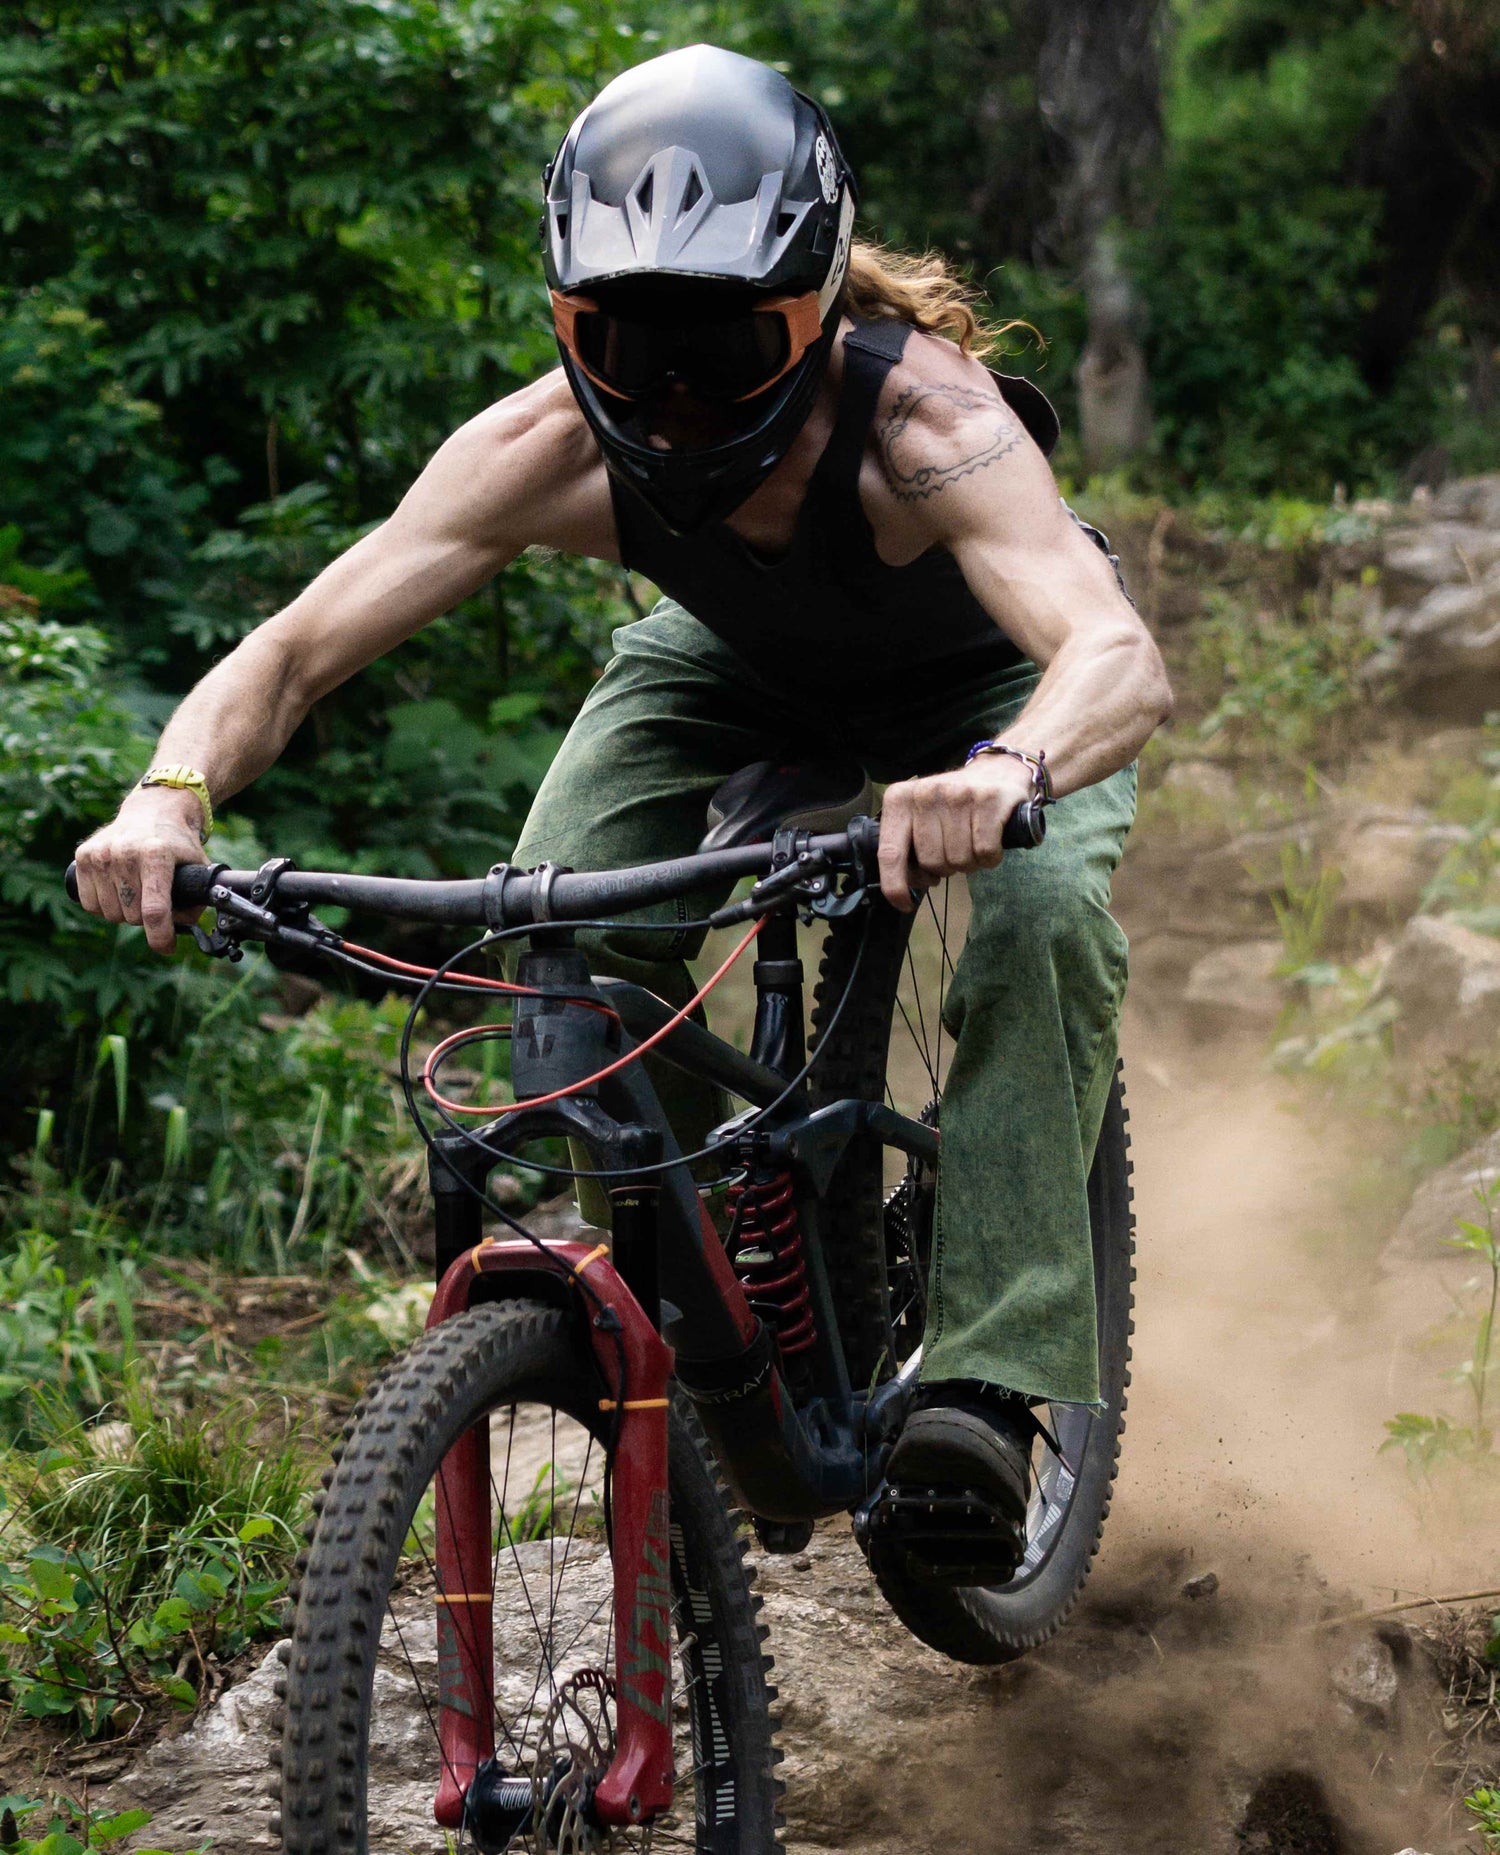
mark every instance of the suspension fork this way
{"type": "Point", "coordinates": [638, 1784]}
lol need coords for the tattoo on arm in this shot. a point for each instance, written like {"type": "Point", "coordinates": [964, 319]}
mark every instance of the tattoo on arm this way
{"type": "Point", "coordinates": [917, 466]}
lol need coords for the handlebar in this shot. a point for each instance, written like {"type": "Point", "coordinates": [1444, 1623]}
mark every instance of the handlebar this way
{"type": "Point", "coordinates": [516, 898]}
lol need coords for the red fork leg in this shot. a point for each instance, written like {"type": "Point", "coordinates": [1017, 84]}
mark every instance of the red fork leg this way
{"type": "Point", "coordinates": [465, 1630]}
{"type": "Point", "coordinates": [638, 1784]}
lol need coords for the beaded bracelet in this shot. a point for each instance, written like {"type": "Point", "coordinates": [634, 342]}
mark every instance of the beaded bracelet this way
{"type": "Point", "coordinates": [1041, 779]}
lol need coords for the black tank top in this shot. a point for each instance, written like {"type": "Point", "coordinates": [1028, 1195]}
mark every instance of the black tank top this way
{"type": "Point", "coordinates": [830, 612]}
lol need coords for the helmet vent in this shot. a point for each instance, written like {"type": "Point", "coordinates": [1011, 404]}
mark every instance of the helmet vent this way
{"type": "Point", "coordinates": [561, 222]}
{"type": "Point", "coordinates": [784, 223]}
{"type": "Point", "coordinates": [645, 192]}
{"type": "Point", "coordinates": [692, 192]}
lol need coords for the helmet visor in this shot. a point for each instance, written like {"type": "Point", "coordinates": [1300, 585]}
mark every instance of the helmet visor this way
{"type": "Point", "coordinates": [717, 358]}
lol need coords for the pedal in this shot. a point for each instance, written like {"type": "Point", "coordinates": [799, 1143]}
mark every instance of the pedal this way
{"type": "Point", "coordinates": [950, 1535]}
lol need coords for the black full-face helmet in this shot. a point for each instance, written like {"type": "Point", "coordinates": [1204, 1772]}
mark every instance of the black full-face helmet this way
{"type": "Point", "coordinates": [699, 215]}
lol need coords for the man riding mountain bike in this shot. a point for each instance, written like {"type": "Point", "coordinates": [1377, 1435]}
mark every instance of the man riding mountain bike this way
{"type": "Point", "coordinates": [862, 553]}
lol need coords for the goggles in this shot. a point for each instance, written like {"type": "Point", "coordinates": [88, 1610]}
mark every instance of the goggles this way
{"type": "Point", "coordinates": [724, 359]}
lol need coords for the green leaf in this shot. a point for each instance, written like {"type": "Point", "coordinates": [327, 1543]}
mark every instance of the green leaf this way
{"type": "Point", "coordinates": [58, 1843]}
{"type": "Point", "coordinates": [111, 1828]}
{"type": "Point", "coordinates": [53, 1580]}
{"type": "Point", "coordinates": [257, 1528]}
{"type": "Point", "coordinates": [176, 1688]}
{"type": "Point", "coordinates": [204, 1590]}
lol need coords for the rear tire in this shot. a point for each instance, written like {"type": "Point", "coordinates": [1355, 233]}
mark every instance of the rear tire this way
{"type": "Point", "coordinates": [974, 1624]}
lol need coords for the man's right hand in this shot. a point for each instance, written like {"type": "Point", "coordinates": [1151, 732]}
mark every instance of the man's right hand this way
{"type": "Point", "coordinates": [125, 870]}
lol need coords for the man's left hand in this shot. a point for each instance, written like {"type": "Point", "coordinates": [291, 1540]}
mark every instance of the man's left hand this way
{"type": "Point", "coordinates": [947, 824]}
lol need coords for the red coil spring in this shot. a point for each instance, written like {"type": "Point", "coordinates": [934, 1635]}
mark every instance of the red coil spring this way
{"type": "Point", "coordinates": [768, 1259]}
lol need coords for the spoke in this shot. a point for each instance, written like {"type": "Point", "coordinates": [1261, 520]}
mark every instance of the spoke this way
{"type": "Point", "coordinates": [494, 1707]}
{"type": "Point", "coordinates": [583, 1482]}
{"type": "Point", "coordinates": [608, 1598]}
{"type": "Point", "coordinates": [421, 1691]}
{"type": "Point", "coordinates": [916, 992]}
{"type": "Point", "coordinates": [467, 1609]}
{"type": "Point", "coordinates": [918, 1043]}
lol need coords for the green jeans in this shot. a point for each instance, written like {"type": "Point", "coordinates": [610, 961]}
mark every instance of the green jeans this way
{"type": "Point", "coordinates": [1034, 1004]}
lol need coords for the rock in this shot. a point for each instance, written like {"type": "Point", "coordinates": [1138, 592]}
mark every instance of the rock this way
{"type": "Point", "coordinates": [1235, 988]}
{"type": "Point", "coordinates": [1446, 650]}
{"type": "Point", "coordinates": [1446, 979]}
{"type": "Point", "coordinates": [1368, 1681]}
{"type": "Point", "coordinates": [1469, 499]}
{"type": "Point", "coordinates": [1437, 1205]}
{"type": "Point", "coordinates": [1254, 863]}
{"type": "Point", "coordinates": [212, 1780]}
{"type": "Point", "coordinates": [1204, 1585]}
{"type": "Point", "coordinates": [1438, 554]}
{"type": "Point", "coordinates": [1386, 859]}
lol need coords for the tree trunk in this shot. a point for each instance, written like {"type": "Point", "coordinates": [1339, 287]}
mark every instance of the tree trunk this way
{"type": "Point", "coordinates": [1099, 91]}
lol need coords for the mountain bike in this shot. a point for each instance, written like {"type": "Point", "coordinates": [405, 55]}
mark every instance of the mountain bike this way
{"type": "Point", "coordinates": [525, 1619]}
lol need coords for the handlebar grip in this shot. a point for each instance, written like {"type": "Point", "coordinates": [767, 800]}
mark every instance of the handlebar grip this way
{"type": "Point", "coordinates": [190, 884]}
{"type": "Point", "coordinates": [1026, 826]}
{"type": "Point", "coordinates": [1024, 829]}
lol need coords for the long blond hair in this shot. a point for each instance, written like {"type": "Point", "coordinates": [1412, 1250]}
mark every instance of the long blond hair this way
{"type": "Point", "coordinates": [924, 290]}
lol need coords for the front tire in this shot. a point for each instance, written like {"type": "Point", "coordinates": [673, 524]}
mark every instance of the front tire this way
{"type": "Point", "coordinates": [360, 1758]}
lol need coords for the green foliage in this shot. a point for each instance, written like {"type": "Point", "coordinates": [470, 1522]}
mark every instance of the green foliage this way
{"type": "Point", "coordinates": [1430, 1442]}
{"type": "Point", "coordinates": [1290, 684]}
{"type": "Point", "coordinates": [59, 1829]}
{"type": "Point", "coordinates": [1484, 1806]}
{"type": "Point", "coordinates": [133, 1559]}
{"type": "Point", "coordinates": [1256, 267]}
{"type": "Point", "coordinates": [70, 1336]}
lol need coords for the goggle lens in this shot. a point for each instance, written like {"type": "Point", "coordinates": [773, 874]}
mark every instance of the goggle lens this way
{"type": "Point", "coordinates": [721, 359]}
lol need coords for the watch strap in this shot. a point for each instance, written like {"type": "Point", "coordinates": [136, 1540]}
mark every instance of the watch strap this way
{"type": "Point", "coordinates": [185, 779]}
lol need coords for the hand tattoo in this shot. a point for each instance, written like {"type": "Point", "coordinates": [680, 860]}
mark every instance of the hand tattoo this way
{"type": "Point", "coordinates": [127, 895]}
{"type": "Point", "coordinates": [920, 462]}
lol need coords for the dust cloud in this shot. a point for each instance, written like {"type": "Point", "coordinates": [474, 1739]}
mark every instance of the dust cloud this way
{"type": "Point", "coordinates": [1267, 1358]}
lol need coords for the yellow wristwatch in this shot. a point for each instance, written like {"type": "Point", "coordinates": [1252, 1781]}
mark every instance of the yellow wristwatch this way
{"type": "Point", "coordinates": [185, 779]}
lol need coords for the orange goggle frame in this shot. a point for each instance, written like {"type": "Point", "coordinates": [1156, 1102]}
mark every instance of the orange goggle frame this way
{"type": "Point", "coordinates": [801, 315]}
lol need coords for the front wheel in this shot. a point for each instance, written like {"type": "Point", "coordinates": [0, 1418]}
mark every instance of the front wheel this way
{"type": "Point", "coordinates": [361, 1759]}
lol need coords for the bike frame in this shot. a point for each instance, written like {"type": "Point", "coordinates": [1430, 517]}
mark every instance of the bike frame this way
{"type": "Point", "coordinates": [786, 1457]}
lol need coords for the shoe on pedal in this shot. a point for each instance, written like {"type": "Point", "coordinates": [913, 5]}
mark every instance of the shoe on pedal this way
{"type": "Point", "coordinates": [957, 1485]}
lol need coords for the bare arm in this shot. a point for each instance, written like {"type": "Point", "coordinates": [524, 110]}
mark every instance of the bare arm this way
{"type": "Point", "coordinates": [958, 468]}
{"type": "Point", "coordinates": [520, 473]}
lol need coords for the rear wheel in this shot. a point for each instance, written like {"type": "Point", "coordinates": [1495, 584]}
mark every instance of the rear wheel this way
{"type": "Point", "coordinates": [361, 1762]}
{"type": "Point", "coordinates": [890, 1044]}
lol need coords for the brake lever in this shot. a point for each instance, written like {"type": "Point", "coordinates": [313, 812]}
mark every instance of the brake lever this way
{"type": "Point", "coordinates": [803, 878]}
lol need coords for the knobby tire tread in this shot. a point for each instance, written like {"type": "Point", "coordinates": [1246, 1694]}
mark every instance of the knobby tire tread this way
{"type": "Point", "coordinates": [493, 1353]}
{"type": "Point", "coordinates": [970, 1625]}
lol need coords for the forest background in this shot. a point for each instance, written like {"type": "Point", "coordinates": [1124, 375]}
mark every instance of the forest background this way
{"type": "Point", "coordinates": [257, 259]}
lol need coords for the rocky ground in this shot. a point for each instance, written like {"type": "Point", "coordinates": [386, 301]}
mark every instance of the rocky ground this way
{"type": "Point", "coordinates": [1208, 1697]}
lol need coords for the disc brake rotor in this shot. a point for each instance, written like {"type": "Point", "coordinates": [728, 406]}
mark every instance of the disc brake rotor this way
{"type": "Point", "coordinates": [575, 1746]}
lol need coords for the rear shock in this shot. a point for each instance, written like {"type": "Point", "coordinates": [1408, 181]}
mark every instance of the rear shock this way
{"type": "Point", "coordinates": [766, 1250]}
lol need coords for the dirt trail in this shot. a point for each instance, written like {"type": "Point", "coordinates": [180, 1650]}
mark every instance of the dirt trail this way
{"type": "Point", "coordinates": [1161, 1722]}
{"type": "Point", "coordinates": [1158, 1723]}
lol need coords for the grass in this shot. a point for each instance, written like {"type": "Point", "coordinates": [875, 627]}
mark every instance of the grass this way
{"type": "Point", "coordinates": [137, 1556]}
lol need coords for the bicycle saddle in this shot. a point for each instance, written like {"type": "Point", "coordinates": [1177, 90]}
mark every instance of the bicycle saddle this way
{"type": "Point", "coordinates": [753, 804]}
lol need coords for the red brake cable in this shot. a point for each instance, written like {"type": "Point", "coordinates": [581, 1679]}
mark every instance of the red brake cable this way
{"type": "Point", "coordinates": [478, 1031]}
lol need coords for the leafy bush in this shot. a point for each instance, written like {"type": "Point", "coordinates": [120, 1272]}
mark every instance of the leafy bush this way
{"type": "Point", "coordinates": [1290, 685]}
{"type": "Point", "coordinates": [55, 1825]}
{"type": "Point", "coordinates": [138, 1553]}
